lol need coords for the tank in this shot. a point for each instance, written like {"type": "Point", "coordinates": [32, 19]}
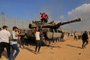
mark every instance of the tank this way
{"type": "Point", "coordinates": [51, 34]}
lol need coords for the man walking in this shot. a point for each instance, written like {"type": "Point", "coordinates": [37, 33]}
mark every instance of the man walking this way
{"type": "Point", "coordinates": [84, 39]}
{"type": "Point", "coordinates": [14, 50]}
{"type": "Point", "coordinates": [4, 40]}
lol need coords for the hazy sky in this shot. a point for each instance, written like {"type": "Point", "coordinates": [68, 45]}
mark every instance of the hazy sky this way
{"type": "Point", "coordinates": [58, 10]}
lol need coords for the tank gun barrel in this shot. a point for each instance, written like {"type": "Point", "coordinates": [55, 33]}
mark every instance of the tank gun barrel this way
{"type": "Point", "coordinates": [72, 21]}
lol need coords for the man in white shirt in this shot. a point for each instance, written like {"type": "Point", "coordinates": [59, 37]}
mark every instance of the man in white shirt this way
{"type": "Point", "coordinates": [14, 44]}
{"type": "Point", "coordinates": [4, 40]}
{"type": "Point", "coordinates": [38, 40]}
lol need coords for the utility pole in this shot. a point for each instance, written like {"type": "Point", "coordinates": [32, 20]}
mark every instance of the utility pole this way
{"type": "Point", "coordinates": [3, 18]}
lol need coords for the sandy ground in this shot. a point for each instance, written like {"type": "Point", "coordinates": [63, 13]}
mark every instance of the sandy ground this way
{"type": "Point", "coordinates": [68, 50]}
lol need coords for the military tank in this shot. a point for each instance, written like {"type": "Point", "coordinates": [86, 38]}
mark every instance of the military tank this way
{"type": "Point", "coordinates": [52, 27]}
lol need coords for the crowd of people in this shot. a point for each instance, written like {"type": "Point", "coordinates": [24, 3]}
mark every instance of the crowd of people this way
{"type": "Point", "coordinates": [13, 40]}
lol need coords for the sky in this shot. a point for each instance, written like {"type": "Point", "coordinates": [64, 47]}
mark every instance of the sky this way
{"type": "Point", "coordinates": [57, 10]}
{"type": "Point", "coordinates": [30, 9]}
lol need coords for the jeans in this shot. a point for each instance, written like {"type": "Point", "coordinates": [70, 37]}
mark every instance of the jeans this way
{"type": "Point", "coordinates": [14, 51]}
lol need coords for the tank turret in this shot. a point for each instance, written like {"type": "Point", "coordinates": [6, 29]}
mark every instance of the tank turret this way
{"type": "Point", "coordinates": [52, 24]}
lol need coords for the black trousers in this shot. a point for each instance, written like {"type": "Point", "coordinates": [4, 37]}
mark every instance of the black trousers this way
{"type": "Point", "coordinates": [84, 43]}
{"type": "Point", "coordinates": [38, 46]}
{"type": "Point", "coordinates": [4, 45]}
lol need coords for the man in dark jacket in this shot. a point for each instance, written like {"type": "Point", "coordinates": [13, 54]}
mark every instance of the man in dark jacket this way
{"type": "Point", "coordinates": [84, 39]}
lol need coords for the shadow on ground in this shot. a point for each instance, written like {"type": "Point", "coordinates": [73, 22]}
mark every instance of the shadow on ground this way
{"type": "Point", "coordinates": [73, 46]}
{"type": "Point", "coordinates": [31, 50]}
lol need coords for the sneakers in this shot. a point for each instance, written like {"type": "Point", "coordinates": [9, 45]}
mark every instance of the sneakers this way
{"type": "Point", "coordinates": [83, 47]}
{"type": "Point", "coordinates": [37, 52]}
